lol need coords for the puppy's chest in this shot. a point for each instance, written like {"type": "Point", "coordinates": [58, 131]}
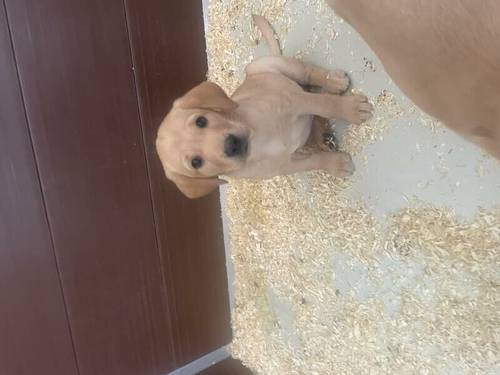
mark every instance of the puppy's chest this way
{"type": "Point", "coordinates": [277, 128]}
{"type": "Point", "coordinates": [282, 137]}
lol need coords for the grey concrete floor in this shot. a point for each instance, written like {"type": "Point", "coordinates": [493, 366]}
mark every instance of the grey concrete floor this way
{"type": "Point", "coordinates": [409, 161]}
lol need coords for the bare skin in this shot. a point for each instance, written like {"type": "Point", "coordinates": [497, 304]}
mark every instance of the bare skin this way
{"type": "Point", "coordinates": [445, 56]}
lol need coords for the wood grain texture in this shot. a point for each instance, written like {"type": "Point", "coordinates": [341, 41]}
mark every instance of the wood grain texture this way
{"type": "Point", "coordinates": [34, 335]}
{"type": "Point", "coordinates": [76, 73]}
{"type": "Point", "coordinates": [168, 48]}
{"type": "Point", "coordinates": [229, 366]}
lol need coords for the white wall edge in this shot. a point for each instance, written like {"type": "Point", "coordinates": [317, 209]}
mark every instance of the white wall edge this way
{"type": "Point", "coordinates": [203, 363]}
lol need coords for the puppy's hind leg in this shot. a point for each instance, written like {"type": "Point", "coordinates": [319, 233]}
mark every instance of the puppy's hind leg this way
{"type": "Point", "coordinates": [333, 81]}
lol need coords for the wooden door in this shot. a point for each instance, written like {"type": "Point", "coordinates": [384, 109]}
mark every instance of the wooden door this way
{"type": "Point", "coordinates": [105, 268]}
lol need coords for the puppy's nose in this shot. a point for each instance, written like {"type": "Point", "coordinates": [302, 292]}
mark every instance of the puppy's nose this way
{"type": "Point", "coordinates": [235, 146]}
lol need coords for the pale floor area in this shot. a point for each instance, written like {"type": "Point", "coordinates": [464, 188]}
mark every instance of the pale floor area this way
{"type": "Point", "coordinates": [408, 160]}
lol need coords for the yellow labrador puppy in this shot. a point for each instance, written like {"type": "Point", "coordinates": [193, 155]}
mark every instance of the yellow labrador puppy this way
{"type": "Point", "coordinates": [444, 54]}
{"type": "Point", "coordinates": [256, 132]}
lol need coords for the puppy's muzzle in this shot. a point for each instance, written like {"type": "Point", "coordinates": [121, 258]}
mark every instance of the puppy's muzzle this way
{"type": "Point", "coordinates": [235, 146]}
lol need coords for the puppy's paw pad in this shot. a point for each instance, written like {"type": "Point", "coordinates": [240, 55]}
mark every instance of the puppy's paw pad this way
{"type": "Point", "coordinates": [337, 81]}
{"type": "Point", "coordinates": [358, 109]}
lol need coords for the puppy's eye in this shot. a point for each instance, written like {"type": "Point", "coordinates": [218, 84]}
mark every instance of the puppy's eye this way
{"type": "Point", "coordinates": [201, 122]}
{"type": "Point", "coordinates": [197, 162]}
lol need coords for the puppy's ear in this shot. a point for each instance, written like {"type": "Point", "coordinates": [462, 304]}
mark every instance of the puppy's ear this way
{"type": "Point", "coordinates": [207, 95]}
{"type": "Point", "coordinates": [195, 187]}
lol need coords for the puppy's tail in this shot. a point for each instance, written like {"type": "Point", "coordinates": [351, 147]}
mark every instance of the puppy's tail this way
{"type": "Point", "coordinates": [268, 34]}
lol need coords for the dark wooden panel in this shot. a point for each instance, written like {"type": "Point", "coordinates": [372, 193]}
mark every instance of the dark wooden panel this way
{"type": "Point", "coordinates": [168, 47]}
{"type": "Point", "coordinates": [34, 333]}
{"type": "Point", "coordinates": [76, 73]}
{"type": "Point", "coordinates": [229, 366]}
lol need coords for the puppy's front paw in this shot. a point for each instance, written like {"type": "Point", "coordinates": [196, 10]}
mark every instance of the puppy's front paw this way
{"type": "Point", "coordinates": [357, 109]}
{"type": "Point", "coordinates": [339, 164]}
{"type": "Point", "coordinates": [337, 81]}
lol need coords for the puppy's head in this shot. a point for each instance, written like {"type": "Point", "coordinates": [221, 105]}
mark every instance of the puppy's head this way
{"type": "Point", "coordinates": [200, 139]}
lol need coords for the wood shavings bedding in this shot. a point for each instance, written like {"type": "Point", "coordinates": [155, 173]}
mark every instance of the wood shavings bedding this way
{"type": "Point", "coordinates": [321, 286]}
{"type": "Point", "coordinates": [287, 233]}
